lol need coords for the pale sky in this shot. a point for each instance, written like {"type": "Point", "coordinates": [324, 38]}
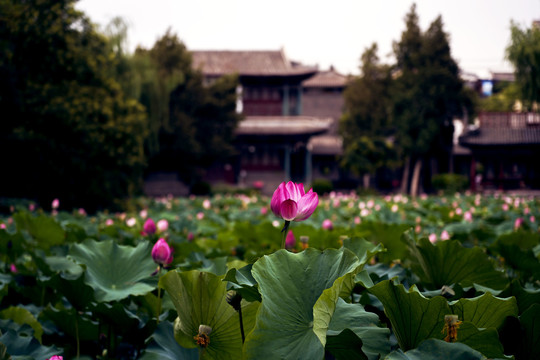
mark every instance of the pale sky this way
{"type": "Point", "coordinates": [322, 33]}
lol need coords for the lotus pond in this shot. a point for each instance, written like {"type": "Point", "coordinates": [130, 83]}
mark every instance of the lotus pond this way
{"type": "Point", "coordinates": [393, 277]}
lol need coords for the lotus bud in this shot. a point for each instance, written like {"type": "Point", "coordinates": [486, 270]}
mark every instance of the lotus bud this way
{"type": "Point", "coordinates": [291, 203]}
{"type": "Point", "coordinates": [234, 299]}
{"type": "Point", "coordinates": [432, 238]}
{"type": "Point", "coordinates": [162, 225]}
{"type": "Point", "coordinates": [445, 235]}
{"type": "Point", "coordinates": [290, 241]}
{"type": "Point", "coordinates": [162, 253]}
{"type": "Point", "coordinates": [149, 227]}
{"type": "Point", "coordinates": [55, 204]}
{"type": "Point", "coordinates": [327, 224]}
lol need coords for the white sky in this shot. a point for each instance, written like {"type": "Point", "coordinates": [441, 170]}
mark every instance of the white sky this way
{"type": "Point", "coordinates": [322, 33]}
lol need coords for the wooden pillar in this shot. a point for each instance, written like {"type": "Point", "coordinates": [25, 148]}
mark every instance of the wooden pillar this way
{"type": "Point", "coordinates": [285, 103]}
{"type": "Point", "coordinates": [299, 101]}
{"type": "Point", "coordinates": [287, 162]}
{"type": "Point", "coordinates": [308, 167]}
{"type": "Point", "coordinates": [473, 173]}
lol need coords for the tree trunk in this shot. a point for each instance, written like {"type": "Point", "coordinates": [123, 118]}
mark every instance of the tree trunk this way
{"type": "Point", "coordinates": [416, 177]}
{"type": "Point", "coordinates": [365, 180]}
{"type": "Point", "coordinates": [405, 177]}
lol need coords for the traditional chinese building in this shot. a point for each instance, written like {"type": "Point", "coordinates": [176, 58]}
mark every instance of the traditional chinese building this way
{"type": "Point", "coordinates": [291, 111]}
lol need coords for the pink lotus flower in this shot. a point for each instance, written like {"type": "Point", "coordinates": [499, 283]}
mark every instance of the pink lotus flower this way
{"type": "Point", "coordinates": [56, 357]}
{"type": "Point", "coordinates": [467, 216]}
{"type": "Point", "coordinates": [149, 227]}
{"type": "Point", "coordinates": [13, 268]}
{"type": "Point", "coordinates": [109, 222]}
{"type": "Point", "coordinates": [327, 224]}
{"type": "Point", "coordinates": [55, 204]}
{"type": "Point", "coordinates": [291, 203]}
{"type": "Point", "coordinates": [162, 253]}
{"type": "Point", "coordinates": [162, 225]}
{"type": "Point", "coordinates": [445, 235]}
{"type": "Point", "coordinates": [517, 223]}
{"type": "Point", "coordinates": [290, 241]}
{"type": "Point", "coordinates": [264, 211]}
{"type": "Point", "coordinates": [432, 238]}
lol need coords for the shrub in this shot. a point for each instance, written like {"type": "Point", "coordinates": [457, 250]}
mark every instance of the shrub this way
{"type": "Point", "coordinates": [322, 186]}
{"type": "Point", "coordinates": [450, 183]}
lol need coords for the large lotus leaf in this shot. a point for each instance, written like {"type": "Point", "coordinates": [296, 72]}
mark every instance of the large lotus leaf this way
{"type": "Point", "coordinates": [243, 283]}
{"type": "Point", "coordinates": [25, 347]}
{"type": "Point", "coordinates": [345, 345]}
{"type": "Point", "coordinates": [485, 311]}
{"type": "Point", "coordinates": [163, 346]}
{"type": "Point", "coordinates": [71, 322]}
{"type": "Point", "coordinates": [448, 262]}
{"type": "Point", "coordinates": [45, 230]}
{"type": "Point", "coordinates": [114, 271]}
{"type": "Point", "coordinates": [414, 318]}
{"type": "Point", "coordinates": [363, 249]}
{"type": "Point", "coordinates": [435, 349]}
{"type": "Point", "coordinates": [525, 297]}
{"type": "Point", "coordinates": [485, 341]}
{"type": "Point", "coordinates": [299, 293]}
{"type": "Point", "coordinates": [23, 316]}
{"type": "Point", "coordinates": [365, 325]}
{"type": "Point", "coordinates": [200, 298]}
{"type": "Point", "coordinates": [390, 236]}
{"type": "Point", "coordinates": [523, 261]}
{"type": "Point", "coordinates": [530, 321]}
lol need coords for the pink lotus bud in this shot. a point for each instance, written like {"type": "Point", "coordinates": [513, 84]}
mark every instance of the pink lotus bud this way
{"type": "Point", "coordinates": [532, 219]}
{"type": "Point", "coordinates": [13, 268]}
{"type": "Point", "coordinates": [56, 357]}
{"type": "Point", "coordinates": [445, 235]}
{"type": "Point", "coordinates": [206, 204]}
{"type": "Point", "coordinates": [2, 226]}
{"type": "Point", "coordinates": [467, 216]}
{"type": "Point", "coordinates": [109, 222]}
{"type": "Point", "coordinates": [131, 222]}
{"type": "Point", "coordinates": [143, 213]}
{"type": "Point", "coordinates": [190, 236]}
{"type": "Point", "coordinates": [200, 215]}
{"type": "Point", "coordinates": [162, 253]}
{"type": "Point", "coordinates": [417, 229]}
{"type": "Point", "coordinates": [291, 203]}
{"type": "Point", "coordinates": [357, 220]}
{"type": "Point", "coordinates": [290, 241]}
{"type": "Point", "coordinates": [162, 225]}
{"type": "Point", "coordinates": [149, 227]}
{"type": "Point", "coordinates": [82, 212]}
{"type": "Point", "coordinates": [505, 207]}
{"type": "Point", "coordinates": [517, 223]}
{"type": "Point", "coordinates": [32, 207]}
{"type": "Point", "coordinates": [394, 208]}
{"type": "Point", "coordinates": [432, 238]}
{"type": "Point", "coordinates": [327, 224]}
{"type": "Point", "coordinates": [459, 211]}
{"type": "Point", "coordinates": [264, 211]}
{"type": "Point", "coordinates": [55, 204]}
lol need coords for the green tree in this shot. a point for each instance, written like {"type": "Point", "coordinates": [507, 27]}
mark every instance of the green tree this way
{"type": "Point", "coordinates": [68, 130]}
{"type": "Point", "coordinates": [365, 125]}
{"type": "Point", "coordinates": [524, 53]}
{"type": "Point", "coordinates": [428, 94]}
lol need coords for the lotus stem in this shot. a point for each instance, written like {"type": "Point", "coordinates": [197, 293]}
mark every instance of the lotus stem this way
{"type": "Point", "coordinates": [159, 296]}
{"type": "Point", "coordinates": [241, 324]}
{"type": "Point", "coordinates": [284, 233]}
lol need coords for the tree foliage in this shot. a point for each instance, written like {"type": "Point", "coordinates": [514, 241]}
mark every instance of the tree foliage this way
{"type": "Point", "coordinates": [524, 53]}
{"type": "Point", "coordinates": [366, 123]}
{"type": "Point", "coordinates": [68, 131]}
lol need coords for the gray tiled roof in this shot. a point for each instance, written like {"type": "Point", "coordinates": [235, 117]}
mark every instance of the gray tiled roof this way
{"type": "Point", "coordinates": [329, 78]}
{"type": "Point", "coordinates": [502, 136]}
{"type": "Point", "coordinates": [282, 125]}
{"type": "Point", "coordinates": [247, 63]}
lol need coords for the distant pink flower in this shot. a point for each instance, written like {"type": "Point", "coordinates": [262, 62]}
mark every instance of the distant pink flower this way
{"type": "Point", "coordinates": [459, 211]}
{"type": "Point", "coordinates": [417, 229]}
{"type": "Point", "coordinates": [162, 225]}
{"type": "Point", "coordinates": [258, 185]}
{"type": "Point", "coordinates": [290, 241]}
{"type": "Point", "coordinates": [357, 220]}
{"type": "Point", "coordinates": [364, 212]}
{"type": "Point", "coordinates": [467, 216]}
{"type": "Point", "coordinates": [394, 208]}
{"type": "Point", "coordinates": [327, 224]}
{"type": "Point", "coordinates": [109, 222]}
{"type": "Point", "coordinates": [149, 227]}
{"type": "Point", "coordinates": [517, 223]}
{"type": "Point", "coordinates": [190, 236]}
{"type": "Point", "coordinates": [505, 207]}
{"type": "Point", "coordinates": [13, 268]}
{"type": "Point", "coordinates": [291, 203]}
{"type": "Point", "coordinates": [2, 226]}
{"type": "Point", "coordinates": [32, 207]}
{"type": "Point", "coordinates": [532, 219]}
{"type": "Point", "coordinates": [82, 212]}
{"type": "Point", "coordinates": [55, 204]}
{"type": "Point", "coordinates": [206, 204]}
{"type": "Point", "coordinates": [56, 357]}
{"type": "Point", "coordinates": [143, 213]}
{"type": "Point", "coordinates": [264, 211]}
{"type": "Point", "coordinates": [131, 222]}
{"type": "Point", "coordinates": [432, 238]}
{"type": "Point", "coordinates": [445, 235]}
{"type": "Point", "coordinates": [162, 253]}
{"type": "Point", "coordinates": [200, 215]}
{"type": "Point", "coordinates": [526, 211]}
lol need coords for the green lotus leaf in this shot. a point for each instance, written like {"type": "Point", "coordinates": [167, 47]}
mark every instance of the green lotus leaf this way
{"type": "Point", "coordinates": [390, 236]}
{"type": "Point", "coordinates": [525, 297]}
{"type": "Point", "coordinates": [71, 322]}
{"type": "Point", "coordinates": [519, 255]}
{"type": "Point", "coordinates": [22, 316]}
{"type": "Point", "coordinates": [299, 293]}
{"type": "Point", "coordinates": [365, 325]}
{"type": "Point", "coordinates": [67, 268]}
{"type": "Point", "coordinates": [25, 347]}
{"type": "Point", "coordinates": [243, 283]}
{"type": "Point", "coordinates": [345, 345]}
{"type": "Point", "coordinates": [163, 346]}
{"type": "Point", "coordinates": [363, 249]}
{"type": "Point", "coordinates": [530, 321]}
{"type": "Point", "coordinates": [414, 318]}
{"type": "Point", "coordinates": [485, 341]}
{"type": "Point", "coordinates": [435, 349]}
{"type": "Point", "coordinates": [448, 262]}
{"type": "Point", "coordinates": [485, 311]}
{"type": "Point", "coordinates": [115, 271]}
{"type": "Point", "coordinates": [200, 298]}
{"type": "Point", "coordinates": [43, 229]}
